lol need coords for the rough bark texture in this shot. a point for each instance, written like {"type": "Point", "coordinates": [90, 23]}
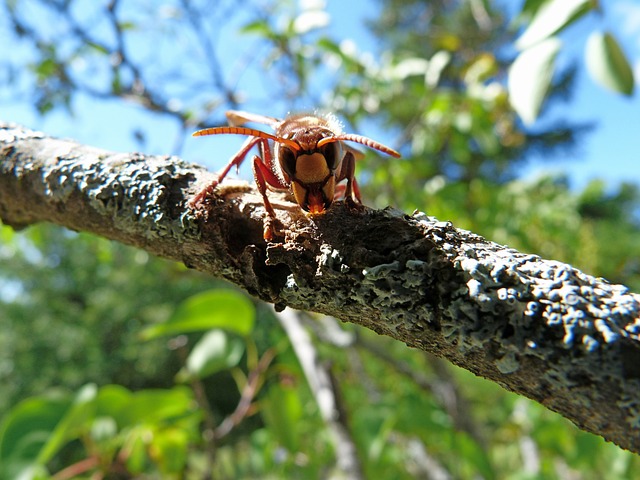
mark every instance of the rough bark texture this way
{"type": "Point", "coordinates": [537, 327]}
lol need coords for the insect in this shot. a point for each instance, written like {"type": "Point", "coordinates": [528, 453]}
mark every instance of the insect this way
{"type": "Point", "coordinates": [307, 155]}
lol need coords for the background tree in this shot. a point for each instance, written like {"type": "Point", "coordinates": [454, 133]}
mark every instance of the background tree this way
{"type": "Point", "coordinates": [74, 306]}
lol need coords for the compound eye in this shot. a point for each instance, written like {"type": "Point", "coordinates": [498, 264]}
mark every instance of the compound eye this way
{"type": "Point", "coordinates": [330, 152]}
{"type": "Point", "coordinates": [287, 160]}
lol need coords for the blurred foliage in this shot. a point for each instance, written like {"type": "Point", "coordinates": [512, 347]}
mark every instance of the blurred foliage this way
{"type": "Point", "coordinates": [115, 364]}
{"type": "Point", "coordinates": [531, 73]}
{"type": "Point", "coordinates": [73, 305]}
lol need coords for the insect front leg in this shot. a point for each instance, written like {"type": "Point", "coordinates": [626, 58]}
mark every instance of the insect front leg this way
{"type": "Point", "coordinates": [348, 169]}
{"type": "Point", "coordinates": [264, 176]}
{"type": "Point", "coordinates": [236, 161]}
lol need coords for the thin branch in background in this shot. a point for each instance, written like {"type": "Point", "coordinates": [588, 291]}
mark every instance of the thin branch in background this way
{"type": "Point", "coordinates": [445, 389]}
{"type": "Point", "coordinates": [422, 464]}
{"type": "Point", "coordinates": [480, 15]}
{"type": "Point", "coordinates": [208, 44]}
{"type": "Point", "coordinates": [530, 456]}
{"type": "Point", "coordinates": [329, 330]}
{"type": "Point", "coordinates": [425, 465]}
{"type": "Point", "coordinates": [448, 391]}
{"type": "Point", "coordinates": [78, 468]}
{"type": "Point", "coordinates": [137, 89]}
{"type": "Point", "coordinates": [249, 392]}
{"type": "Point", "coordinates": [325, 392]}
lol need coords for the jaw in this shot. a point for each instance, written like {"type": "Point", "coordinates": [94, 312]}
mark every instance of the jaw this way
{"type": "Point", "coordinates": [316, 202]}
{"type": "Point", "coordinates": [314, 198]}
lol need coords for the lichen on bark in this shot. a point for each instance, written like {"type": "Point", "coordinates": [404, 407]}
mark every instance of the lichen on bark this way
{"type": "Point", "coordinates": [537, 327]}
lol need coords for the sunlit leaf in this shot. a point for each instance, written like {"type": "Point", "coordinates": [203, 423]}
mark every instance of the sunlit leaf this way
{"type": "Point", "coordinates": [32, 472]}
{"type": "Point", "coordinates": [410, 66]}
{"type": "Point", "coordinates": [103, 429]}
{"type": "Point", "coordinates": [483, 67]}
{"type": "Point", "coordinates": [608, 64]}
{"type": "Point", "coordinates": [530, 77]}
{"type": "Point", "coordinates": [436, 66]}
{"type": "Point", "coordinates": [170, 449]}
{"type": "Point", "coordinates": [310, 20]}
{"type": "Point", "coordinates": [223, 309]}
{"type": "Point", "coordinates": [216, 351]}
{"type": "Point", "coordinates": [551, 18]}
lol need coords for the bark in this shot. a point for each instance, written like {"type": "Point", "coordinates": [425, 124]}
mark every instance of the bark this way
{"type": "Point", "coordinates": [537, 327]}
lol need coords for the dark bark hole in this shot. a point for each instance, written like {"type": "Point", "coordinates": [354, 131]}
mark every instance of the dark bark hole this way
{"type": "Point", "coordinates": [508, 331]}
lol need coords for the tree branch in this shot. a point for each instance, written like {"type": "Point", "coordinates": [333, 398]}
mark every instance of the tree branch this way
{"type": "Point", "coordinates": [539, 328]}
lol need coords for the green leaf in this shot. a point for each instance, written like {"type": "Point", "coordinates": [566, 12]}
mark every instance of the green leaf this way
{"type": "Point", "coordinates": [27, 427]}
{"type": "Point", "coordinates": [281, 410]}
{"type": "Point", "coordinates": [32, 472]}
{"type": "Point", "coordinates": [46, 68]}
{"type": "Point", "coordinates": [223, 309]}
{"type": "Point", "coordinates": [152, 406]}
{"type": "Point", "coordinates": [381, 438]}
{"type": "Point", "coordinates": [327, 44]}
{"type": "Point", "coordinates": [170, 448]}
{"type": "Point", "coordinates": [258, 27]}
{"type": "Point", "coordinates": [75, 419]}
{"type": "Point", "coordinates": [127, 26]}
{"type": "Point", "coordinates": [98, 48]}
{"type": "Point", "coordinates": [216, 351]}
{"type": "Point", "coordinates": [473, 453]}
{"type": "Point", "coordinates": [137, 458]}
{"type": "Point", "coordinates": [112, 402]}
{"type": "Point", "coordinates": [530, 7]}
{"type": "Point", "coordinates": [530, 77]}
{"type": "Point", "coordinates": [608, 64]}
{"type": "Point", "coordinates": [551, 18]}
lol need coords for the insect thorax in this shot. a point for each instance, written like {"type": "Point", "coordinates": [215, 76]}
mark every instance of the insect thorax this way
{"type": "Point", "coordinates": [307, 129]}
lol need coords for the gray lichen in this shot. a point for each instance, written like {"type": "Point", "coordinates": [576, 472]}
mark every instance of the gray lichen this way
{"type": "Point", "coordinates": [538, 308]}
{"type": "Point", "coordinates": [538, 327]}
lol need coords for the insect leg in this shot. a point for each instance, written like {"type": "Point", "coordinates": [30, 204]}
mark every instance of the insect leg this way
{"type": "Point", "coordinates": [356, 190]}
{"type": "Point", "coordinates": [352, 192]}
{"type": "Point", "coordinates": [236, 161]}
{"type": "Point", "coordinates": [264, 176]}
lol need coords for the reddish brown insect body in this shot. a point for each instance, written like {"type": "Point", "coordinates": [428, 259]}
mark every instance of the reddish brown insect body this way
{"type": "Point", "coordinates": [308, 156]}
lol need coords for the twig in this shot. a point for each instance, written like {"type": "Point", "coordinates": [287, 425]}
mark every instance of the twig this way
{"type": "Point", "coordinates": [326, 393]}
{"type": "Point", "coordinates": [250, 390]}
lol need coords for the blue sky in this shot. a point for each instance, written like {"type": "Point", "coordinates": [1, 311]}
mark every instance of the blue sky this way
{"type": "Point", "coordinates": [609, 152]}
